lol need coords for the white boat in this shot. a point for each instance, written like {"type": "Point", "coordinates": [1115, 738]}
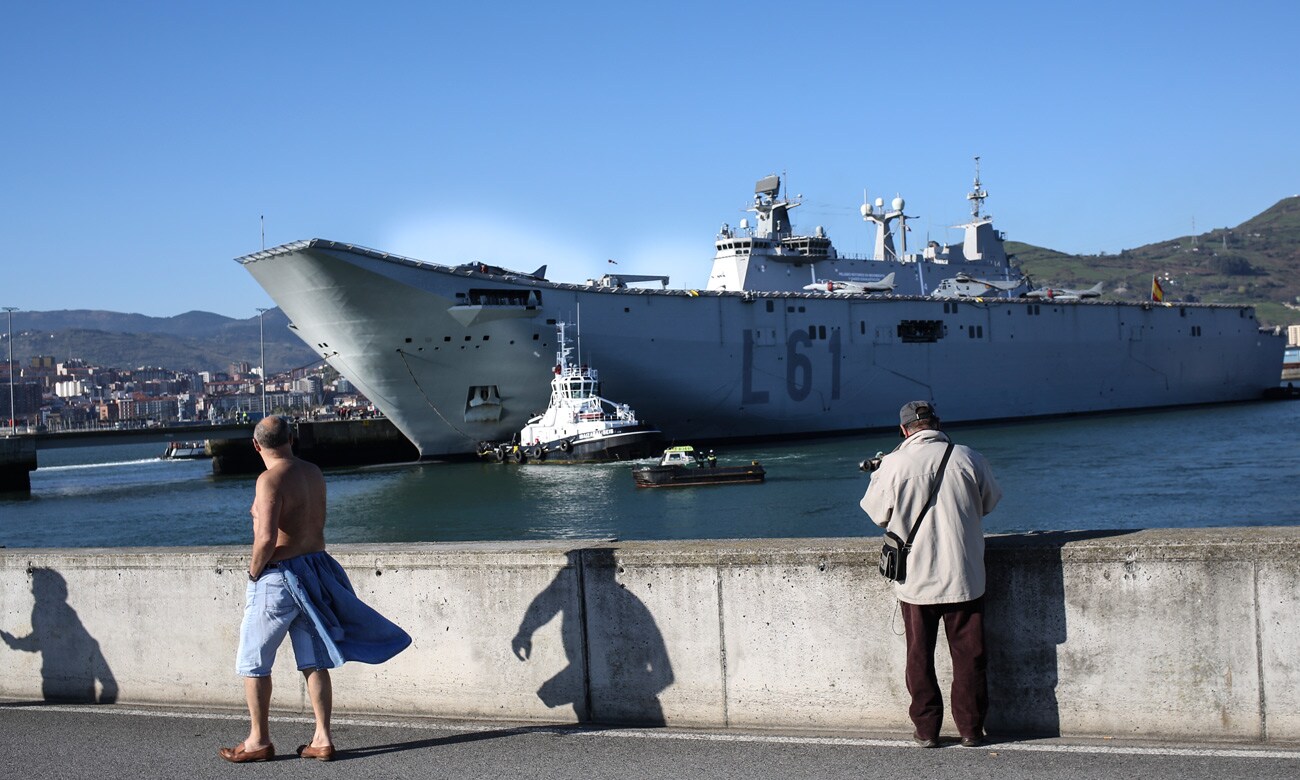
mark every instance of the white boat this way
{"type": "Point", "coordinates": [185, 450]}
{"type": "Point", "coordinates": [1291, 364]}
{"type": "Point", "coordinates": [451, 354]}
{"type": "Point", "coordinates": [579, 425]}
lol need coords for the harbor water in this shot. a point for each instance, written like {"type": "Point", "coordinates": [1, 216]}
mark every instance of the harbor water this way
{"type": "Point", "coordinates": [1223, 465]}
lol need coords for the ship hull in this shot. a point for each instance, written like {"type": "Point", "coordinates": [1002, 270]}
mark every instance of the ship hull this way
{"type": "Point", "coordinates": [455, 356]}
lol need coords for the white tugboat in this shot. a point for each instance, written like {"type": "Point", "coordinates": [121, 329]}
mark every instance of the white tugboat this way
{"type": "Point", "coordinates": [185, 450]}
{"type": "Point", "coordinates": [578, 426]}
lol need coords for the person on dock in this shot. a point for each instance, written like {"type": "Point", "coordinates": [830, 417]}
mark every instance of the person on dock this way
{"type": "Point", "coordinates": [944, 577]}
{"type": "Point", "coordinates": [296, 588]}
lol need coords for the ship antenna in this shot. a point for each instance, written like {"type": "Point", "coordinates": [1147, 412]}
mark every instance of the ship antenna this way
{"type": "Point", "coordinates": [977, 195]}
{"type": "Point", "coordinates": [561, 347]}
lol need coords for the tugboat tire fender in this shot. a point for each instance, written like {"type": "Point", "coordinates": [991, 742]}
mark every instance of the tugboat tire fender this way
{"type": "Point", "coordinates": [565, 446]}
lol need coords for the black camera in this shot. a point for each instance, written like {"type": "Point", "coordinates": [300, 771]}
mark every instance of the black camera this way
{"type": "Point", "coordinates": [871, 464]}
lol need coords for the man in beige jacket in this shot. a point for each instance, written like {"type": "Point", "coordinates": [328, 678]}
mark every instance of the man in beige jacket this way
{"type": "Point", "coordinates": [945, 567]}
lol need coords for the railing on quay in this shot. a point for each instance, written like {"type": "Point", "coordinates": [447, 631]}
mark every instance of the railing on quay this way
{"type": "Point", "coordinates": [91, 437]}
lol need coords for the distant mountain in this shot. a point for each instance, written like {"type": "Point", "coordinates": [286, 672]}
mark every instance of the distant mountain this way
{"type": "Point", "coordinates": [1256, 262]}
{"type": "Point", "coordinates": [195, 323]}
{"type": "Point", "coordinates": [196, 340]}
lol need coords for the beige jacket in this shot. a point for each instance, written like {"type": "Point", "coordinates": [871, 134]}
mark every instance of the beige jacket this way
{"type": "Point", "coordinates": [946, 564]}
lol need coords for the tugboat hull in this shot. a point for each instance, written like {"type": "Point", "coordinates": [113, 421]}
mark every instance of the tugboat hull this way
{"type": "Point", "coordinates": [621, 446]}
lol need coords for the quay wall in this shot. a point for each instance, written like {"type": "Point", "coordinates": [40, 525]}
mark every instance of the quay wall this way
{"type": "Point", "coordinates": [327, 443]}
{"type": "Point", "coordinates": [1154, 634]}
{"type": "Point", "coordinates": [17, 462]}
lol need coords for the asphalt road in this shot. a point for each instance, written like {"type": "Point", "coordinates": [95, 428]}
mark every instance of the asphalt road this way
{"type": "Point", "coordinates": [74, 741]}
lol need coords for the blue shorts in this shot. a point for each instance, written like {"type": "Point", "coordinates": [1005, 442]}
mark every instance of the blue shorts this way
{"type": "Point", "coordinates": [270, 612]}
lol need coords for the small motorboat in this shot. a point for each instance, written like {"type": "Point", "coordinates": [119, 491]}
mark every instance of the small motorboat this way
{"type": "Point", "coordinates": [578, 426]}
{"type": "Point", "coordinates": [185, 450]}
{"type": "Point", "coordinates": [684, 465]}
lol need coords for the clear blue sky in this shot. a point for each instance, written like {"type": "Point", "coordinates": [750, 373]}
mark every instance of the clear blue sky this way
{"type": "Point", "coordinates": [141, 142]}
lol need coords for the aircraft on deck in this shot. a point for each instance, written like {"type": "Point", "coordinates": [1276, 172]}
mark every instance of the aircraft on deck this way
{"type": "Point", "coordinates": [884, 285]}
{"type": "Point", "coordinates": [963, 286]}
{"type": "Point", "coordinates": [1062, 294]}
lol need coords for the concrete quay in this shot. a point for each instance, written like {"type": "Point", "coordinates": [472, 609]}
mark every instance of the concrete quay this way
{"type": "Point", "coordinates": [1165, 635]}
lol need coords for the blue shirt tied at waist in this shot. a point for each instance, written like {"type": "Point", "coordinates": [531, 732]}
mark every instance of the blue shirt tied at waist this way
{"type": "Point", "coordinates": [349, 630]}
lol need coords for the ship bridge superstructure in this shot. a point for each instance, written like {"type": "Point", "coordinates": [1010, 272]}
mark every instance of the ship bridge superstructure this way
{"type": "Point", "coordinates": [769, 256]}
{"type": "Point", "coordinates": [771, 240]}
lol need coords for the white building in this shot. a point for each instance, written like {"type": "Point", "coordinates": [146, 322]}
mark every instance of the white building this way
{"type": "Point", "coordinates": [72, 388]}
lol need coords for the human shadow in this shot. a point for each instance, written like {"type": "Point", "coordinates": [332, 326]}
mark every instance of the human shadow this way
{"type": "Point", "coordinates": [71, 661]}
{"type": "Point", "coordinates": [459, 739]}
{"type": "Point", "coordinates": [1026, 623]}
{"type": "Point", "coordinates": [617, 661]}
{"type": "Point", "coordinates": [432, 742]}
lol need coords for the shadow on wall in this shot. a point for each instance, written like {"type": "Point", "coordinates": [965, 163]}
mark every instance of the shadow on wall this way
{"type": "Point", "coordinates": [71, 662]}
{"type": "Point", "coordinates": [617, 661]}
{"type": "Point", "coordinates": [1025, 621]}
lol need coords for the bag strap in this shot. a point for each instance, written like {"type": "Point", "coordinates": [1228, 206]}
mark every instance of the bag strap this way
{"type": "Point", "coordinates": [934, 490]}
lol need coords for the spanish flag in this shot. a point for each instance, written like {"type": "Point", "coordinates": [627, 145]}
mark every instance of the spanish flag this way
{"type": "Point", "coordinates": [1157, 292]}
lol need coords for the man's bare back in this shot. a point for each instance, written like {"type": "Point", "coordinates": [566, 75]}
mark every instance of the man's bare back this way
{"type": "Point", "coordinates": [293, 492]}
{"type": "Point", "coordinates": [289, 506]}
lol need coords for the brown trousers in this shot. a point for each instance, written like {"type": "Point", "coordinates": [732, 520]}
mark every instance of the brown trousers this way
{"type": "Point", "coordinates": [964, 625]}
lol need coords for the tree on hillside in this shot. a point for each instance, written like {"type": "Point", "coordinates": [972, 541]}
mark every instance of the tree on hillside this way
{"type": "Point", "coordinates": [1231, 265]}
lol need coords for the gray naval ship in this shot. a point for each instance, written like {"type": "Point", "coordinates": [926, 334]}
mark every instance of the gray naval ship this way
{"type": "Point", "coordinates": [788, 338]}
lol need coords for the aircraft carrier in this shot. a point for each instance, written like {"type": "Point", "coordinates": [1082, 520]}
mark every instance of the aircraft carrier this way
{"type": "Point", "coordinates": [789, 337]}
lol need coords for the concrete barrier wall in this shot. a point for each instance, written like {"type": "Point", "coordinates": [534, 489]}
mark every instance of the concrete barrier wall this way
{"type": "Point", "coordinates": [1151, 634]}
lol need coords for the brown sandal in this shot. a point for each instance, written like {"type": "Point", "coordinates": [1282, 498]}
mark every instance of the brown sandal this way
{"type": "Point", "coordinates": [237, 754]}
{"type": "Point", "coordinates": [325, 753]}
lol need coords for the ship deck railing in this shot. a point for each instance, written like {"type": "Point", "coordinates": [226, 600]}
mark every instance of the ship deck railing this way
{"type": "Point", "coordinates": [532, 281]}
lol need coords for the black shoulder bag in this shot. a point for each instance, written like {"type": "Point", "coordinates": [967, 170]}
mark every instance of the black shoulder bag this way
{"type": "Point", "coordinates": [893, 554]}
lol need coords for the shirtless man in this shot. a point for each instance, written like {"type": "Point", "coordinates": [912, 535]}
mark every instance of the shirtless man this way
{"type": "Point", "coordinates": [288, 521]}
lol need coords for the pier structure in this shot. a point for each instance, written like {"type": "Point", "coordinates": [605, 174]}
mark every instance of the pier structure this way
{"type": "Point", "coordinates": [1141, 635]}
{"type": "Point", "coordinates": [17, 462]}
{"type": "Point", "coordinates": [326, 443]}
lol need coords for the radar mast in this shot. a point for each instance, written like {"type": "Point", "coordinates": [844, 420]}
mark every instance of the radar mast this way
{"type": "Point", "coordinates": [773, 211]}
{"type": "Point", "coordinates": [977, 194]}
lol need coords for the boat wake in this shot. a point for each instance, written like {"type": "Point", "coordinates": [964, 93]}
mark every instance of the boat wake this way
{"type": "Point", "coordinates": [114, 464]}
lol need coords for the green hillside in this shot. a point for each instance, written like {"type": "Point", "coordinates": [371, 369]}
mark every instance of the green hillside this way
{"type": "Point", "coordinates": [198, 341]}
{"type": "Point", "coordinates": [1256, 262]}
{"type": "Point", "coordinates": [133, 350]}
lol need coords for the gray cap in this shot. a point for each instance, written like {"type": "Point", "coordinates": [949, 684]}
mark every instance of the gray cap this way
{"type": "Point", "coordinates": [917, 410]}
